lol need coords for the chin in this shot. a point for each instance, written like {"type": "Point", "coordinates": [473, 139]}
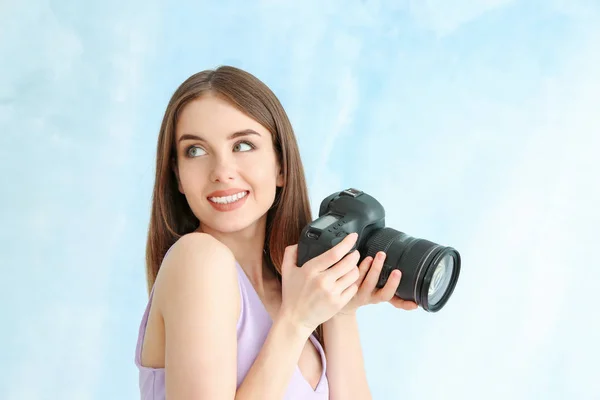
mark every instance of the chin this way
{"type": "Point", "coordinates": [231, 228]}
{"type": "Point", "coordinates": [234, 225]}
{"type": "Point", "coordinates": [227, 225]}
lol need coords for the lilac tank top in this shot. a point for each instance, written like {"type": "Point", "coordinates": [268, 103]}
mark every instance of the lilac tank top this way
{"type": "Point", "coordinates": [253, 326]}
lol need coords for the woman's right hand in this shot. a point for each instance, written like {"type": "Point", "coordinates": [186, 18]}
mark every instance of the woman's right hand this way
{"type": "Point", "coordinates": [315, 292]}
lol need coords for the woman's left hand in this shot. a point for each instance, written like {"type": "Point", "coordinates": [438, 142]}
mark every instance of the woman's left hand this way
{"type": "Point", "coordinates": [369, 270]}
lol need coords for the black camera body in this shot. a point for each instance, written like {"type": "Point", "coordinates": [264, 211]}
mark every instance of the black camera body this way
{"type": "Point", "coordinates": [340, 214]}
{"type": "Point", "coordinates": [429, 271]}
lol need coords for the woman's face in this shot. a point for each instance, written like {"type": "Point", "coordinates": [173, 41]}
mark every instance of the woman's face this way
{"type": "Point", "coordinates": [219, 148]}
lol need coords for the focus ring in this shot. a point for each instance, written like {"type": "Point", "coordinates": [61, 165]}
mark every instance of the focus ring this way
{"type": "Point", "coordinates": [381, 241]}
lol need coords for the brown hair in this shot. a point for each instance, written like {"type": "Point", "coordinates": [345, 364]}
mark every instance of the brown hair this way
{"type": "Point", "coordinates": [171, 216]}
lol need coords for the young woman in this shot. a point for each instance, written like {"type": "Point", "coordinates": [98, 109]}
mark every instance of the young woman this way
{"type": "Point", "coordinates": [230, 315]}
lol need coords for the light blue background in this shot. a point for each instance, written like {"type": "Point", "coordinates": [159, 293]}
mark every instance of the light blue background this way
{"type": "Point", "coordinates": [475, 123]}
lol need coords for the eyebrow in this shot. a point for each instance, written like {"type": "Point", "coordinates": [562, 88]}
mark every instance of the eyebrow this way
{"type": "Point", "coordinates": [234, 135]}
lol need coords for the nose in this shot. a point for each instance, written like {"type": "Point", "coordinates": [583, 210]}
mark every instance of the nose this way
{"type": "Point", "coordinates": [223, 170]}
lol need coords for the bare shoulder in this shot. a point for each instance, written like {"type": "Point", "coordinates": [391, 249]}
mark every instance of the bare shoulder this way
{"type": "Point", "coordinates": [198, 297]}
{"type": "Point", "coordinates": [194, 246]}
{"type": "Point", "coordinates": [190, 254]}
{"type": "Point", "coordinates": [197, 261]}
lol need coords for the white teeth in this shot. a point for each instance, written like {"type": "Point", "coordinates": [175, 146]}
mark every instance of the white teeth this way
{"type": "Point", "coordinates": [228, 199]}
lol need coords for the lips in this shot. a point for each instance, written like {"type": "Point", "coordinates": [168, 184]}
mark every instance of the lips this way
{"type": "Point", "coordinates": [228, 192]}
{"type": "Point", "coordinates": [228, 206]}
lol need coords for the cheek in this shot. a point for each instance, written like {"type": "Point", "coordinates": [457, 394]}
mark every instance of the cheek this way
{"type": "Point", "coordinates": [190, 178]}
{"type": "Point", "coordinates": [263, 174]}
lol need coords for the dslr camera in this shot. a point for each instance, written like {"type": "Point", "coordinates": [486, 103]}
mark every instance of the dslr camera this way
{"type": "Point", "coordinates": [429, 270]}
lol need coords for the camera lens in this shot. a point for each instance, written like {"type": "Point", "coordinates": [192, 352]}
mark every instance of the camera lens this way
{"type": "Point", "coordinates": [440, 280]}
{"type": "Point", "coordinates": [429, 271]}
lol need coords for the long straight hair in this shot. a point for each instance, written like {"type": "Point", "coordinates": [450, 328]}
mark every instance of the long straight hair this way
{"type": "Point", "coordinates": [171, 216]}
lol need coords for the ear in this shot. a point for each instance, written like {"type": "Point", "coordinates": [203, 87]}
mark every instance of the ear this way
{"type": "Point", "coordinates": [176, 172]}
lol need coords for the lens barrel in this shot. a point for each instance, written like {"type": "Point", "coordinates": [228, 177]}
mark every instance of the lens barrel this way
{"type": "Point", "coordinates": [429, 271]}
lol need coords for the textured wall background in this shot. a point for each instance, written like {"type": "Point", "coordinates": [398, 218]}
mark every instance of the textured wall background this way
{"type": "Point", "coordinates": [475, 123]}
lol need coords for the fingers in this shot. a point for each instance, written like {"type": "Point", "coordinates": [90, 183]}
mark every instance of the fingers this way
{"type": "Point", "coordinates": [349, 293]}
{"type": "Point", "coordinates": [403, 304]}
{"type": "Point", "coordinates": [386, 293]}
{"type": "Point", "coordinates": [372, 277]}
{"type": "Point", "coordinates": [290, 256]}
{"type": "Point", "coordinates": [363, 269]}
{"type": "Point", "coordinates": [348, 279]}
{"type": "Point", "coordinates": [344, 266]}
{"type": "Point", "coordinates": [335, 254]}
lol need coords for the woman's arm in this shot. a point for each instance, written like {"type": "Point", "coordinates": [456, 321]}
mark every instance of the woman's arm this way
{"type": "Point", "coordinates": [198, 296]}
{"type": "Point", "coordinates": [345, 364]}
{"type": "Point", "coordinates": [270, 375]}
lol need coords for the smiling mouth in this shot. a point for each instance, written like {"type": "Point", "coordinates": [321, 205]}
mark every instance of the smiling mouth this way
{"type": "Point", "coordinates": [228, 199]}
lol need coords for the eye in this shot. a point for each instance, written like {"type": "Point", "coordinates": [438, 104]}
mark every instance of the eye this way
{"type": "Point", "coordinates": [243, 146]}
{"type": "Point", "coordinates": [194, 151]}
